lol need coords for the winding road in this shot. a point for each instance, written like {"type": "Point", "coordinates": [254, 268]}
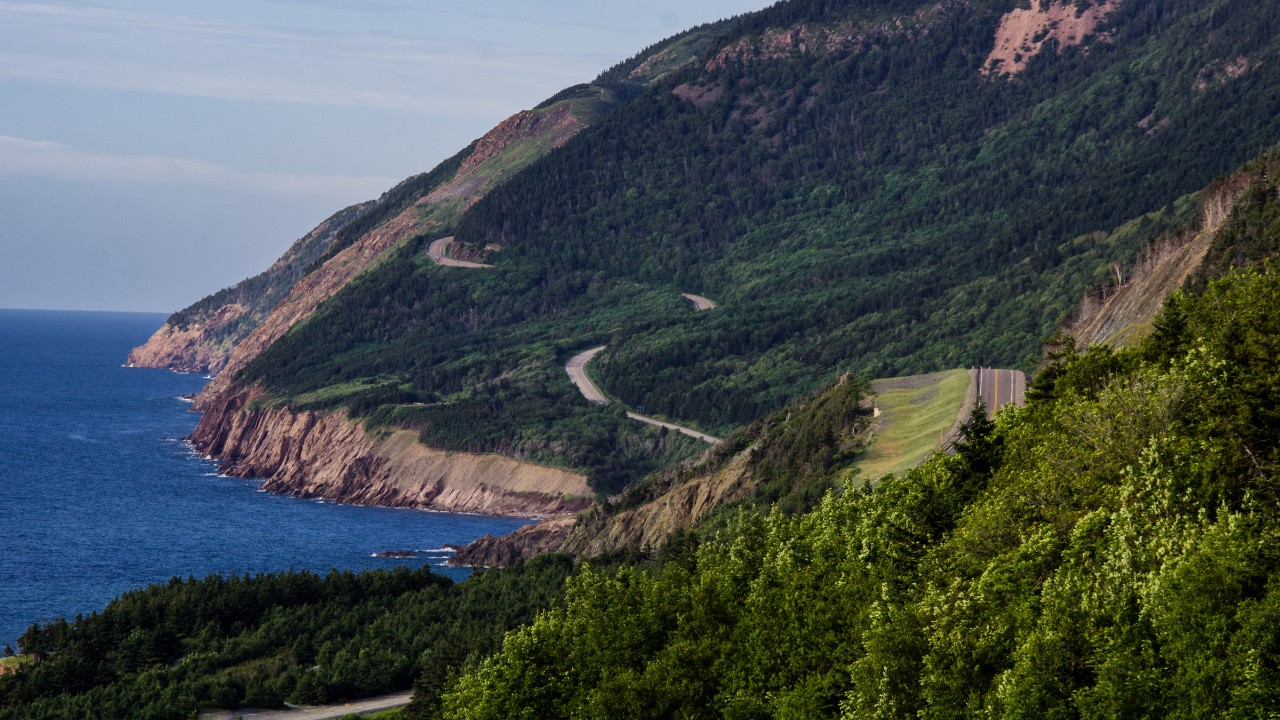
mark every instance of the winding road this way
{"type": "Point", "coordinates": [577, 369]}
{"type": "Point", "coordinates": [321, 712]}
{"type": "Point", "coordinates": [577, 365]}
{"type": "Point", "coordinates": [436, 251]}
{"type": "Point", "coordinates": [699, 303]}
{"type": "Point", "coordinates": [998, 388]}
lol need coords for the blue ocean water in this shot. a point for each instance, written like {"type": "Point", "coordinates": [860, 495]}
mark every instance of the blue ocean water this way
{"type": "Point", "coordinates": [99, 494]}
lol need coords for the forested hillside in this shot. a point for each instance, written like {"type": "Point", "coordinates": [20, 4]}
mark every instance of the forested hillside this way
{"type": "Point", "coordinates": [168, 650]}
{"type": "Point", "coordinates": [1110, 550]}
{"type": "Point", "coordinates": [848, 180]}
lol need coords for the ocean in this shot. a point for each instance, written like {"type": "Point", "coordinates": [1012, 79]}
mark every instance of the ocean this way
{"type": "Point", "coordinates": [99, 494]}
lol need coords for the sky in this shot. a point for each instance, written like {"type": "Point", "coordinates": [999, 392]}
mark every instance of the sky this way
{"type": "Point", "coordinates": [153, 152]}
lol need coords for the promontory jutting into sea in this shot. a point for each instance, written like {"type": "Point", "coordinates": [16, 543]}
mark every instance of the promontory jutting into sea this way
{"type": "Point", "coordinates": [101, 494]}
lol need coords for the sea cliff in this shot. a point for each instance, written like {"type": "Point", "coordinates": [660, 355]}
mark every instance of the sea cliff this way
{"type": "Point", "coordinates": [327, 455]}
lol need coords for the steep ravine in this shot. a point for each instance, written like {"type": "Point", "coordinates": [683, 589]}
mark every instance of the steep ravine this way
{"type": "Point", "coordinates": [314, 454]}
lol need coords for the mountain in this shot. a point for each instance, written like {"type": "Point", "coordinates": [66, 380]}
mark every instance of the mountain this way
{"type": "Point", "coordinates": [876, 188]}
{"type": "Point", "coordinates": [863, 188]}
{"type": "Point", "coordinates": [860, 186]}
{"type": "Point", "coordinates": [789, 460]}
{"type": "Point", "coordinates": [200, 338]}
{"type": "Point", "coordinates": [1109, 549]}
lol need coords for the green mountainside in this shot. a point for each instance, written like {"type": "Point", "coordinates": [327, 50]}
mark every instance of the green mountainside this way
{"type": "Point", "coordinates": [1108, 550]}
{"type": "Point", "coordinates": [842, 178]}
{"type": "Point", "coordinates": [865, 188]}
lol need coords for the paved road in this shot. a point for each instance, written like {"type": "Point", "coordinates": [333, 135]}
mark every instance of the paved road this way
{"type": "Point", "coordinates": [323, 712]}
{"type": "Point", "coordinates": [699, 302]}
{"type": "Point", "coordinates": [577, 369]}
{"type": "Point", "coordinates": [679, 428]}
{"type": "Point", "coordinates": [998, 388]}
{"type": "Point", "coordinates": [436, 251]}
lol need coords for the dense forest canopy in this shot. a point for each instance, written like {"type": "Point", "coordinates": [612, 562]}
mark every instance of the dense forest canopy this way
{"type": "Point", "coordinates": [1109, 550]}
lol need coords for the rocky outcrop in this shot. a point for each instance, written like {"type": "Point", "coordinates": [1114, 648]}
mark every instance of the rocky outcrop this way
{"type": "Point", "coordinates": [1025, 32]}
{"type": "Point", "coordinates": [505, 550]}
{"type": "Point", "coordinates": [199, 347]}
{"type": "Point", "coordinates": [1220, 72]}
{"type": "Point", "coordinates": [645, 526]}
{"type": "Point", "coordinates": [649, 525]}
{"type": "Point", "coordinates": [326, 455]}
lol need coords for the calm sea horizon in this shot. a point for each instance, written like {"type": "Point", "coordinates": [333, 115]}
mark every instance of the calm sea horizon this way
{"type": "Point", "coordinates": [100, 493]}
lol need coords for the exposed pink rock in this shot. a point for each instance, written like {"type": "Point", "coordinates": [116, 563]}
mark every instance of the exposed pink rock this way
{"type": "Point", "coordinates": [1024, 32]}
{"type": "Point", "coordinates": [326, 455]}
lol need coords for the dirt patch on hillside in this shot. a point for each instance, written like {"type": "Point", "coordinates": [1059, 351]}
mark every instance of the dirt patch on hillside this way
{"type": "Point", "coordinates": [1024, 32]}
{"type": "Point", "coordinates": [1219, 72]}
{"type": "Point", "coordinates": [699, 95]}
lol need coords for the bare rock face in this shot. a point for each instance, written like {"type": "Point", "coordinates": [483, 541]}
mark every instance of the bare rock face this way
{"type": "Point", "coordinates": [313, 454]}
{"type": "Point", "coordinates": [526, 542]}
{"type": "Point", "coordinates": [644, 527]}
{"type": "Point", "coordinates": [647, 526]}
{"type": "Point", "coordinates": [1024, 32]}
{"type": "Point", "coordinates": [1120, 313]}
{"type": "Point", "coordinates": [197, 348]}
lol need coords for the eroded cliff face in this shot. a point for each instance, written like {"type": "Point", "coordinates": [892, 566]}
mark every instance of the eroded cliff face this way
{"type": "Point", "coordinates": [1025, 32]}
{"type": "Point", "coordinates": [313, 454]}
{"type": "Point", "coordinates": [326, 455]}
{"type": "Point", "coordinates": [526, 542]}
{"type": "Point", "coordinates": [200, 347]}
{"type": "Point", "coordinates": [1123, 312]}
{"type": "Point", "coordinates": [644, 527]}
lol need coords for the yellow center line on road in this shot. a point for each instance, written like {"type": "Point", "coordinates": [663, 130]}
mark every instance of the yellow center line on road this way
{"type": "Point", "coordinates": [997, 400]}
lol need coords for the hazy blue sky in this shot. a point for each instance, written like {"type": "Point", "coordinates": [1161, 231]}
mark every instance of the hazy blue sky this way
{"type": "Point", "coordinates": [153, 152]}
